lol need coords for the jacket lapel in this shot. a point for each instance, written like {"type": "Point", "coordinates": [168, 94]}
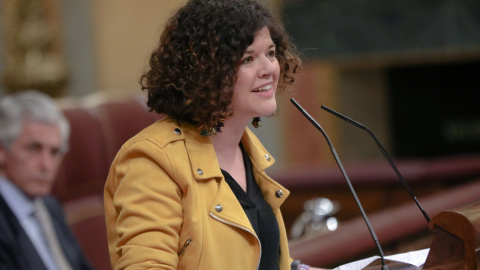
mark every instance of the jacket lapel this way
{"type": "Point", "coordinates": [226, 207]}
{"type": "Point", "coordinates": [205, 166]}
{"type": "Point", "coordinates": [274, 193]}
{"type": "Point", "coordinates": [201, 153]}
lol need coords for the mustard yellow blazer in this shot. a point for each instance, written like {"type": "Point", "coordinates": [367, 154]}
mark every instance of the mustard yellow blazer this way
{"type": "Point", "coordinates": [168, 206]}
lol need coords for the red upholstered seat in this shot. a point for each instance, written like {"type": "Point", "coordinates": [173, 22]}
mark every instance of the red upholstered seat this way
{"type": "Point", "coordinates": [87, 220]}
{"type": "Point", "coordinates": [97, 133]}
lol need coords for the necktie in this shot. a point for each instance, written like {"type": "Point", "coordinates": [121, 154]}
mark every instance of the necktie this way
{"type": "Point", "coordinates": [50, 236]}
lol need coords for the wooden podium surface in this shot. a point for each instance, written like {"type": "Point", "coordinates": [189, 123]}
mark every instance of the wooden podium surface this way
{"type": "Point", "coordinates": [455, 244]}
{"type": "Point", "coordinates": [456, 238]}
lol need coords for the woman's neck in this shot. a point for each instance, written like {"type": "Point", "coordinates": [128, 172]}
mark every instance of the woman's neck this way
{"type": "Point", "coordinates": [227, 149]}
{"type": "Point", "coordinates": [226, 142]}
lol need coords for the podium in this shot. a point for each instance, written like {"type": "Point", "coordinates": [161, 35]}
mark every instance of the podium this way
{"type": "Point", "coordinates": [456, 238]}
{"type": "Point", "coordinates": [455, 244]}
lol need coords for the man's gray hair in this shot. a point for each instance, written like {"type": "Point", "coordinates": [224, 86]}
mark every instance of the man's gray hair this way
{"type": "Point", "coordinates": [33, 106]}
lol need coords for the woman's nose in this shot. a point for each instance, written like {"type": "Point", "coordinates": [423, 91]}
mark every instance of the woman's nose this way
{"type": "Point", "coordinates": [266, 67]}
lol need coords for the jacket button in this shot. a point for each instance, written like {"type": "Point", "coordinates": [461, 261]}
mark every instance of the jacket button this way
{"type": "Point", "coordinates": [177, 131]}
{"type": "Point", "coordinates": [218, 208]}
{"type": "Point", "coordinates": [267, 157]}
{"type": "Point", "coordinates": [199, 171]}
{"type": "Point", "coordinates": [279, 193]}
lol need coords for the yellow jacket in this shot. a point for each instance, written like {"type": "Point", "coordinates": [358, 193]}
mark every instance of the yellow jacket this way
{"type": "Point", "coordinates": [167, 205]}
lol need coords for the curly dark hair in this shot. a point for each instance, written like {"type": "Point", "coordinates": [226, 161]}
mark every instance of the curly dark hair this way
{"type": "Point", "coordinates": [193, 70]}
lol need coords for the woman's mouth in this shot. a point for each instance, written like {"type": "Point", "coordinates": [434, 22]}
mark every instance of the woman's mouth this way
{"type": "Point", "coordinates": [265, 88]}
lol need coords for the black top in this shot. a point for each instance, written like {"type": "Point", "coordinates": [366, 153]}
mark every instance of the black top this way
{"type": "Point", "coordinates": [259, 214]}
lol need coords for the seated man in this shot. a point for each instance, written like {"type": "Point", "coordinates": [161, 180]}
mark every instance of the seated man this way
{"type": "Point", "coordinates": [33, 232]}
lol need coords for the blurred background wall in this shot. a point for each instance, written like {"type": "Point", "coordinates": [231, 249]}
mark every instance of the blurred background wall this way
{"type": "Point", "coordinates": [406, 69]}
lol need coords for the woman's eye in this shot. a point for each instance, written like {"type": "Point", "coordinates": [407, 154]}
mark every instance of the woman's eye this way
{"type": "Point", "coordinates": [271, 53]}
{"type": "Point", "coordinates": [247, 60]}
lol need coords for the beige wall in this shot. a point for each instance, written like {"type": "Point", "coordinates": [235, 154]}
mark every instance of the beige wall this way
{"type": "Point", "coordinates": [125, 32]}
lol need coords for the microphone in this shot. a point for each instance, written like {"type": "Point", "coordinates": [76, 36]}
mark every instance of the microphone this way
{"type": "Point", "coordinates": [334, 152]}
{"type": "Point", "coordinates": [357, 124]}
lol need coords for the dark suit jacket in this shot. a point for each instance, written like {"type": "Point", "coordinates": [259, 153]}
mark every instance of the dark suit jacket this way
{"type": "Point", "coordinates": [17, 251]}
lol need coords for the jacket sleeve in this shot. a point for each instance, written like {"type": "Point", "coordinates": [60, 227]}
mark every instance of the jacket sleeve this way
{"type": "Point", "coordinates": [145, 215]}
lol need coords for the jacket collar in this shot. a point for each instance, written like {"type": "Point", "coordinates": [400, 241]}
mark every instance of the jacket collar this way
{"type": "Point", "coordinates": [205, 166]}
{"type": "Point", "coordinates": [202, 155]}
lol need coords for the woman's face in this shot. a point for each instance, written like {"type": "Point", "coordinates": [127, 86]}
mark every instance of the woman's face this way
{"type": "Point", "coordinates": [257, 79]}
